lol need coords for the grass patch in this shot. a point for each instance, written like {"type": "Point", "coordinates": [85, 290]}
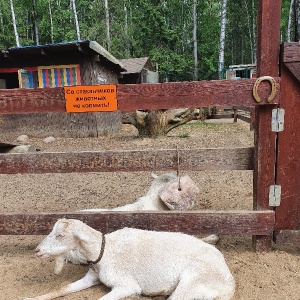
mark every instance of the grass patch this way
{"type": "Point", "coordinates": [183, 135]}
{"type": "Point", "coordinates": [203, 124]}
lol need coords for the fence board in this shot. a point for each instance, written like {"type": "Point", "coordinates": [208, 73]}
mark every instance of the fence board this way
{"type": "Point", "coordinates": [288, 237]}
{"type": "Point", "coordinates": [128, 161]}
{"type": "Point", "coordinates": [190, 222]}
{"type": "Point", "coordinates": [290, 52]}
{"type": "Point", "coordinates": [145, 96]}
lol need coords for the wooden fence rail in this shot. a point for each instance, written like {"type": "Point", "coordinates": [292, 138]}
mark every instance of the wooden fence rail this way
{"type": "Point", "coordinates": [131, 97]}
{"type": "Point", "coordinates": [190, 222]}
{"type": "Point", "coordinates": [128, 161]}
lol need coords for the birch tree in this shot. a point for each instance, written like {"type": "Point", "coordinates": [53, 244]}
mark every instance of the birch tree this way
{"type": "Point", "coordinates": [297, 21]}
{"type": "Point", "coordinates": [289, 28]}
{"type": "Point", "coordinates": [195, 40]}
{"type": "Point", "coordinates": [35, 22]}
{"type": "Point", "coordinates": [251, 32]}
{"type": "Point", "coordinates": [107, 21]}
{"type": "Point", "coordinates": [222, 38]}
{"type": "Point", "coordinates": [76, 19]}
{"type": "Point", "coordinates": [51, 22]}
{"type": "Point", "coordinates": [14, 23]}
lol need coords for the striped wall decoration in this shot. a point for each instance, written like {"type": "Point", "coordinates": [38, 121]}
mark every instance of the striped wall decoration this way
{"type": "Point", "coordinates": [26, 79]}
{"type": "Point", "coordinates": [57, 76]}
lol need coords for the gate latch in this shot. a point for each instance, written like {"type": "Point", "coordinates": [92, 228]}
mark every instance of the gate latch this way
{"type": "Point", "coordinates": [277, 119]}
{"type": "Point", "coordinates": [274, 195]}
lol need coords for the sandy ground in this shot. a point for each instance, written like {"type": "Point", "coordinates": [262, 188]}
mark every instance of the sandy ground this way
{"type": "Point", "coordinates": [274, 275]}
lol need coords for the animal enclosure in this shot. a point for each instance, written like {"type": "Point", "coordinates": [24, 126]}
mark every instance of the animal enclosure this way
{"type": "Point", "coordinates": [271, 158]}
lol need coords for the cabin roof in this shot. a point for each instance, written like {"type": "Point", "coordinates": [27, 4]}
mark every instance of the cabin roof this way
{"type": "Point", "coordinates": [50, 51]}
{"type": "Point", "coordinates": [135, 65]}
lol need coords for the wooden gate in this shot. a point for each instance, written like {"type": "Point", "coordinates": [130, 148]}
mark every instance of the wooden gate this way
{"type": "Point", "coordinates": [272, 158]}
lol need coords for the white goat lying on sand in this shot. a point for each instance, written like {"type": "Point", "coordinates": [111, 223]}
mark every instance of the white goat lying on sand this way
{"type": "Point", "coordinates": [152, 200]}
{"type": "Point", "coordinates": [133, 262]}
{"type": "Point", "coordinates": [162, 187]}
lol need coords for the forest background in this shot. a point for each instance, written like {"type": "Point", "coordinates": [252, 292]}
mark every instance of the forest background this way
{"type": "Point", "coordinates": [185, 39]}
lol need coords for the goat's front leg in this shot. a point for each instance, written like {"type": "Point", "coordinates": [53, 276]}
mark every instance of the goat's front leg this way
{"type": "Point", "coordinates": [121, 292]}
{"type": "Point", "coordinates": [90, 279]}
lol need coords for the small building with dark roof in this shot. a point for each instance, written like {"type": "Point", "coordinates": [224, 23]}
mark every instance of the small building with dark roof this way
{"type": "Point", "coordinates": [138, 70]}
{"type": "Point", "coordinates": [55, 65]}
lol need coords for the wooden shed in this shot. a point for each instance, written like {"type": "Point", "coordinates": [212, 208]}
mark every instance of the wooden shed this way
{"type": "Point", "coordinates": [138, 70]}
{"type": "Point", "coordinates": [55, 65]}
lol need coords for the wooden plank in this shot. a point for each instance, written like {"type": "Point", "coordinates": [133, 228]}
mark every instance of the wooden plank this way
{"type": "Point", "coordinates": [190, 222]}
{"type": "Point", "coordinates": [128, 161]}
{"type": "Point", "coordinates": [291, 52]}
{"type": "Point", "coordinates": [294, 67]}
{"type": "Point", "coordinates": [245, 108]}
{"type": "Point", "coordinates": [32, 100]}
{"type": "Point", "coordinates": [288, 237]}
{"type": "Point", "coordinates": [268, 39]}
{"type": "Point", "coordinates": [145, 96]}
{"type": "Point", "coordinates": [244, 118]}
{"type": "Point", "coordinates": [268, 42]}
{"type": "Point", "coordinates": [190, 94]}
{"type": "Point", "coordinates": [288, 166]}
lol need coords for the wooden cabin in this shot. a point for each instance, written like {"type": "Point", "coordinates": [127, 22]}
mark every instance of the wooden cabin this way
{"type": "Point", "coordinates": [56, 65]}
{"type": "Point", "coordinates": [138, 70]}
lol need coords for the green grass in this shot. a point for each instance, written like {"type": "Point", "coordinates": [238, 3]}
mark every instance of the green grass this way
{"type": "Point", "coordinates": [214, 126]}
{"type": "Point", "coordinates": [203, 124]}
{"type": "Point", "coordinates": [183, 135]}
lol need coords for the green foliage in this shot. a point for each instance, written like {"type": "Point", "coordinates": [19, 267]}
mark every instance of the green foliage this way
{"type": "Point", "coordinates": [161, 29]}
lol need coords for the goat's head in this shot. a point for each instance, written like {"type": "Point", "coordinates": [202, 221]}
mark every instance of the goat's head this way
{"type": "Point", "coordinates": [179, 193]}
{"type": "Point", "coordinates": [61, 239]}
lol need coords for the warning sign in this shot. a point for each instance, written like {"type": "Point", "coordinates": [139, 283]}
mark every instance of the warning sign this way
{"type": "Point", "coordinates": [91, 98]}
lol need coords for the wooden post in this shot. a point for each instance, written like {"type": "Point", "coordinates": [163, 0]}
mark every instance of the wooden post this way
{"type": "Point", "coordinates": [235, 115]}
{"type": "Point", "coordinates": [265, 152]}
{"type": "Point", "coordinates": [288, 166]}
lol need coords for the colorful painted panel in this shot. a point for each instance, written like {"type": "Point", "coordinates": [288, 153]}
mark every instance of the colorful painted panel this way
{"type": "Point", "coordinates": [57, 76]}
{"type": "Point", "coordinates": [26, 79]}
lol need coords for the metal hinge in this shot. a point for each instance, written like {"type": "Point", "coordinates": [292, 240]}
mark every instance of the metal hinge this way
{"type": "Point", "coordinates": [274, 195]}
{"type": "Point", "coordinates": [277, 119]}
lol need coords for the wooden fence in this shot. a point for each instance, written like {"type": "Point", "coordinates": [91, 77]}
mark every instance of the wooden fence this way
{"type": "Point", "coordinates": [271, 158]}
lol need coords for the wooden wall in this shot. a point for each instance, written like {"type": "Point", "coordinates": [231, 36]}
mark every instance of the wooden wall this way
{"type": "Point", "coordinates": [61, 124]}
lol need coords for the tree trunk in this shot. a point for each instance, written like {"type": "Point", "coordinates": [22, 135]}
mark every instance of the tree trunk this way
{"type": "Point", "coordinates": [155, 123]}
{"type": "Point", "coordinates": [127, 51]}
{"type": "Point", "coordinates": [51, 22]}
{"type": "Point", "coordinates": [288, 34]}
{"type": "Point", "coordinates": [250, 32]}
{"type": "Point", "coordinates": [107, 25]}
{"type": "Point", "coordinates": [297, 21]}
{"type": "Point", "coordinates": [254, 31]}
{"type": "Point", "coordinates": [222, 39]}
{"type": "Point", "coordinates": [1, 19]}
{"type": "Point", "coordinates": [76, 19]}
{"type": "Point", "coordinates": [14, 23]}
{"type": "Point", "coordinates": [195, 40]}
{"type": "Point", "coordinates": [35, 22]}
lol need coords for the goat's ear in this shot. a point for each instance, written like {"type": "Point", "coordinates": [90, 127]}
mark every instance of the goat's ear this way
{"type": "Point", "coordinates": [62, 225]}
{"type": "Point", "coordinates": [81, 236]}
{"type": "Point", "coordinates": [154, 176]}
{"type": "Point", "coordinates": [64, 222]}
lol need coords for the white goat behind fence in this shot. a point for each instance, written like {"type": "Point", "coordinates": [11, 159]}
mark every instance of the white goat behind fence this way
{"type": "Point", "coordinates": [139, 262]}
{"type": "Point", "coordinates": [167, 192]}
{"type": "Point", "coordinates": [162, 184]}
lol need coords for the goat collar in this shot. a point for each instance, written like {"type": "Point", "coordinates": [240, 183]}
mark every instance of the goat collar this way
{"type": "Point", "coordinates": [92, 263]}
